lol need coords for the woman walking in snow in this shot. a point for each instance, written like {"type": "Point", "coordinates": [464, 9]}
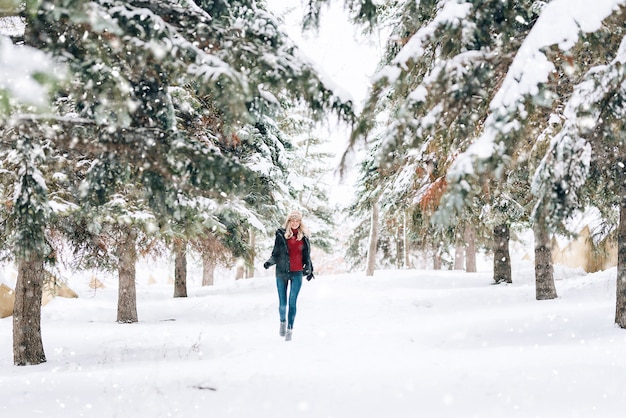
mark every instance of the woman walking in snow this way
{"type": "Point", "coordinates": [292, 257]}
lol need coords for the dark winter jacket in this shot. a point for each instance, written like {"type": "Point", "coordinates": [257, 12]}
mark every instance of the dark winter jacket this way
{"type": "Point", "coordinates": [280, 255]}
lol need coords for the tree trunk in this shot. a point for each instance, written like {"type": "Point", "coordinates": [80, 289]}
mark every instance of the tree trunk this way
{"type": "Point", "coordinates": [437, 260]}
{"type": "Point", "coordinates": [620, 305]}
{"type": "Point", "coordinates": [400, 247]}
{"type": "Point", "coordinates": [501, 257]}
{"type": "Point", "coordinates": [250, 265]}
{"type": "Point", "coordinates": [544, 271]}
{"type": "Point", "coordinates": [27, 342]}
{"type": "Point", "coordinates": [437, 263]}
{"type": "Point", "coordinates": [459, 255]}
{"type": "Point", "coordinates": [240, 268]}
{"type": "Point", "coordinates": [373, 241]}
{"type": "Point", "coordinates": [470, 248]}
{"type": "Point", "coordinates": [127, 293]}
{"type": "Point", "coordinates": [405, 238]}
{"type": "Point", "coordinates": [180, 269]}
{"type": "Point", "coordinates": [208, 270]}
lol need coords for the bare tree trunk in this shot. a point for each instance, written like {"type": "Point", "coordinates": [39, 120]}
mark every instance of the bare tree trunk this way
{"type": "Point", "coordinates": [437, 263]}
{"type": "Point", "coordinates": [373, 241]}
{"type": "Point", "coordinates": [405, 238]}
{"type": "Point", "coordinates": [208, 270]}
{"type": "Point", "coordinates": [459, 255]}
{"type": "Point", "coordinates": [470, 248]}
{"type": "Point", "coordinates": [501, 257]}
{"type": "Point", "coordinates": [620, 305]}
{"type": "Point", "coordinates": [27, 342]}
{"type": "Point", "coordinates": [180, 269]}
{"type": "Point", "coordinates": [240, 269]}
{"type": "Point", "coordinates": [400, 247]}
{"type": "Point", "coordinates": [250, 265]}
{"type": "Point", "coordinates": [127, 293]}
{"type": "Point", "coordinates": [544, 271]}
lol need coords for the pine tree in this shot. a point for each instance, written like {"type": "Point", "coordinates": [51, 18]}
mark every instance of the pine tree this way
{"type": "Point", "coordinates": [25, 230]}
{"type": "Point", "coordinates": [309, 165]}
{"type": "Point", "coordinates": [443, 64]}
{"type": "Point", "coordinates": [364, 211]}
{"type": "Point", "coordinates": [585, 160]}
{"type": "Point", "coordinates": [24, 84]}
{"type": "Point", "coordinates": [521, 93]}
{"type": "Point", "coordinates": [522, 115]}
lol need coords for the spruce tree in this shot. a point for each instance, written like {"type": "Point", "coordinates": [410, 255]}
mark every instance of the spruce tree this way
{"type": "Point", "coordinates": [309, 170]}
{"type": "Point", "coordinates": [584, 163]}
{"type": "Point", "coordinates": [442, 66]}
{"type": "Point", "coordinates": [522, 115]}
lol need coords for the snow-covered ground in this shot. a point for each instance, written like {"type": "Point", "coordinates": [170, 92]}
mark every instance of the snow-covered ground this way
{"type": "Point", "coordinates": [399, 344]}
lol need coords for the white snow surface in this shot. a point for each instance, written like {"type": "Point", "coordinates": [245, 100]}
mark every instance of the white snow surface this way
{"type": "Point", "coordinates": [403, 343]}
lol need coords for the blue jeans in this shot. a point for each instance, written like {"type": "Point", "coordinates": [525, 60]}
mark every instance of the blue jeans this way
{"type": "Point", "coordinates": [295, 278]}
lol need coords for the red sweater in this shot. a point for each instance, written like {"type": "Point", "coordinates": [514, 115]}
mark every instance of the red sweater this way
{"type": "Point", "coordinates": [295, 252]}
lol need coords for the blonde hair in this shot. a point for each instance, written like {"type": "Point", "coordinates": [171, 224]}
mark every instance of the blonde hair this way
{"type": "Point", "coordinates": [302, 229]}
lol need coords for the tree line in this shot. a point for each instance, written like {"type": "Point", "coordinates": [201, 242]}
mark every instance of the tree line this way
{"type": "Point", "coordinates": [133, 127]}
{"type": "Point", "coordinates": [143, 125]}
{"type": "Point", "coordinates": [488, 117]}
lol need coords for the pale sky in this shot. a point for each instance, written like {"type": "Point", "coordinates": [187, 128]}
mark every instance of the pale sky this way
{"type": "Point", "coordinates": [347, 58]}
{"type": "Point", "coordinates": [339, 50]}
